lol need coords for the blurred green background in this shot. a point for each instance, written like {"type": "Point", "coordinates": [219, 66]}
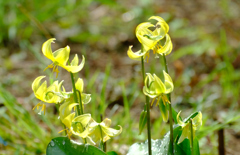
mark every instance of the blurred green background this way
{"type": "Point", "coordinates": [204, 65]}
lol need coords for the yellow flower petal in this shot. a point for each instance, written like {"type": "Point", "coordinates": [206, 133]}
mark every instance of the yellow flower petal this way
{"type": "Point", "coordinates": [75, 61]}
{"type": "Point", "coordinates": [47, 50]}
{"type": "Point", "coordinates": [135, 55]}
{"type": "Point", "coordinates": [40, 93]}
{"type": "Point", "coordinates": [84, 119]}
{"type": "Point", "coordinates": [164, 28]}
{"type": "Point", "coordinates": [168, 83]}
{"type": "Point", "coordinates": [75, 69]}
{"type": "Point", "coordinates": [111, 132]}
{"type": "Point", "coordinates": [167, 47]}
{"type": "Point", "coordinates": [181, 123]}
{"type": "Point", "coordinates": [61, 56]}
{"type": "Point", "coordinates": [79, 85]}
{"type": "Point", "coordinates": [158, 85]}
{"type": "Point", "coordinates": [197, 121]}
{"type": "Point", "coordinates": [36, 83]}
{"type": "Point", "coordinates": [141, 31]}
{"type": "Point", "coordinates": [68, 120]}
{"type": "Point", "coordinates": [106, 122]}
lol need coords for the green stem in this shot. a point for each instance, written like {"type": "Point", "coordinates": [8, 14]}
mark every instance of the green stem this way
{"type": "Point", "coordinates": [148, 113]}
{"type": "Point", "coordinates": [75, 94]}
{"type": "Point", "coordinates": [170, 109]}
{"type": "Point", "coordinates": [79, 110]}
{"type": "Point", "coordinates": [104, 145]}
{"type": "Point", "coordinates": [191, 136]}
{"type": "Point", "coordinates": [80, 101]}
{"type": "Point", "coordinates": [101, 142]}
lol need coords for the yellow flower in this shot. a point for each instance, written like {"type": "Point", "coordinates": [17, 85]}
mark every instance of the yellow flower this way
{"type": "Point", "coordinates": [100, 131]}
{"type": "Point", "coordinates": [74, 124]}
{"type": "Point", "coordinates": [86, 98]}
{"type": "Point", "coordinates": [60, 58]}
{"type": "Point", "coordinates": [186, 127]}
{"type": "Point", "coordinates": [155, 88]}
{"type": "Point", "coordinates": [44, 93]}
{"type": "Point", "coordinates": [150, 40]}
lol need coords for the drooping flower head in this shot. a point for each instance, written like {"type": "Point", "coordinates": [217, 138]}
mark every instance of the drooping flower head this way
{"type": "Point", "coordinates": [75, 124]}
{"type": "Point", "coordinates": [152, 39]}
{"type": "Point", "coordinates": [155, 88]}
{"type": "Point", "coordinates": [101, 131]}
{"type": "Point", "coordinates": [186, 127]}
{"type": "Point", "coordinates": [60, 58]}
{"type": "Point", "coordinates": [69, 97]}
{"type": "Point", "coordinates": [44, 93]}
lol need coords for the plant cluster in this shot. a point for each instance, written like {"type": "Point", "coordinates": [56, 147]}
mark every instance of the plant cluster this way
{"type": "Point", "coordinates": [71, 103]}
{"type": "Point", "coordinates": [153, 38]}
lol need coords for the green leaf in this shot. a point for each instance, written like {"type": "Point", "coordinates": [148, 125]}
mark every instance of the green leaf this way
{"type": "Point", "coordinates": [63, 146]}
{"type": "Point", "coordinates": [142, 121]}
{"type": "Point", "coordinates": [163, 110]}
{"type": "Point", "coordinates": [163, 146]}
{"type": "Point", "coordinates": [112, 153]}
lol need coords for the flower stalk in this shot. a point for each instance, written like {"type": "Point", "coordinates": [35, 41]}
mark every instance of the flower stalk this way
{"type": "Point", "coordinates": [75, 95]}
{"type": "Point", "coordinates": [148, 112]}
{"type": "Point", "coordinates": [191, 126]}
{"type": "Point", "coordinates": [79, 108]}
{"type": "Point", "coordinates": [170, 109]}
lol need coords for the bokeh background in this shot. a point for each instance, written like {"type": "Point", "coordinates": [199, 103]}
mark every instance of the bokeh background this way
{"type": "Point", "coordinates": [204, 65]}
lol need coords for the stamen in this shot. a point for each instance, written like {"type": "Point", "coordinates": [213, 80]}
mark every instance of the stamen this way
{"type": "Point", "coordinates": [56, 71]}
{"type": "Point", "coordinates": [37, 106]}
{"type": "Point", "coordinates": [62, 130]}
{"type": "Point", "coordinates": [165, 99]}
{"type": "Point", "coordinates": [44, 108]}
{"type": "Point", "coordinates": [157, 101]}
{"type": "Point", "coordinates": [153, 101]}
{"type": "Point", "coordinates": [147, 54]}
{"type": "Point", "coordinates": [49, 66]}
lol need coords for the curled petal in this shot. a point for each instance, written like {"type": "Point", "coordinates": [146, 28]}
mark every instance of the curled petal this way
{"type": "Point", "coordinates": [61, 56]}
{"type": "Point", "coordinates": [135, 55]}
{"type": "Point", "coordinates": [197, 121]}
{"type": "Point", "coordinates": [47, 50]}
{"type": "Point", "coordinates": [68, 120]}
{"type": "Point", "coordinates": [167, 47]}
{"type": "Point", "coordinates": [66, 109]}
{"type": "Point", "coordinates": [111, 132]}
{"type": "Point", "coordinates": [75, 61]}
{"type": "Point", "coordinates": [168, 83]}
{"type": "Point", "coordinates": [179, 120]}
{"type": "Point", "coordinates": [106, 122]}
{"type": "Point", "coordinates": [83, 119]}
{"type": "Point", "coordinates": [36, 83]}
{"type": "Point", "coordinates": [75, 69]}
{"type": "Point", "coordinates": [40, 93]}
{"type": "Point", "coordinates": [164, 28]}
{"type": "Point", "coordinates": [142, 31]}
{"type": "Point", "coordinates": [86, 98]}
{"type": "Point", "coordinates": [147, 92]}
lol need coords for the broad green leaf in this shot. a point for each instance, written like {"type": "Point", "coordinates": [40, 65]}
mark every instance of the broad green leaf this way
{"type": "Point", "coordinates": [142, 121]}
{"type": "Point", "coordinates": [63, 146]}
{"type": "Point", "coordinates": [164, 110]}
{"type": "Point", "coordinates": [163, 146]}
{"type": "Point", "coordinates": [112, 153]}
